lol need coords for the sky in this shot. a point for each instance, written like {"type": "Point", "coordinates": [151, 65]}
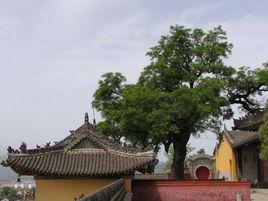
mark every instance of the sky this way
{"type": "Point", "coordinates": [53, 52]}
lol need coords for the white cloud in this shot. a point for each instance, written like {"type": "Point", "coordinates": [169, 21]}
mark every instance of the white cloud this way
{"type": "Point", "coordinates": [249, 36]}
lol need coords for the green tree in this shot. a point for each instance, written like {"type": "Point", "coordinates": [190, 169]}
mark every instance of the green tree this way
{"type": "Point", "coordinates": [263, 131]}
{"type": "Point", "coordinates": [263, 135]}
{"type": "Point", "coordinates": [8, 192]}
{"type": "Point", "coordinates": [246, 85]}
{"type": "Point", "coordinates": [185, 91]}
{"type": "Point", "coordinates": [170, 155]}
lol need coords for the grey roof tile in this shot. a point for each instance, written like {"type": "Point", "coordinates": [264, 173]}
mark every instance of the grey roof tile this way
{"type": "Point", "coordinates": [64, 159]}
{"type": "Point", "coordinates": [239, 137]}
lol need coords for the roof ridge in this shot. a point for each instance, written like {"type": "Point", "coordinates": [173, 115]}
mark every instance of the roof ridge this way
{"type": "Point", "coordinates": [86, 130]}
{"type": "Point", "coordinates": [251, 115]}
{"type": "Point", "coordinates": [239, 137]}
{"type": "Point", "coordinates": [111, 143]}
{"type": "Point", "coordinates": [242, 131]}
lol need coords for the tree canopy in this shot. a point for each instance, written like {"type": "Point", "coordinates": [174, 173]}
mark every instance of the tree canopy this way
{"type": "Point", "coordinates": [246, 85]}
{"type": "Point", "coordinates": [184, 91]}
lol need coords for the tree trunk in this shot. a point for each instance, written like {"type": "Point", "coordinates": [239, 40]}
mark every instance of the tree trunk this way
{"type": "Point", "coordinates": [179, 144]}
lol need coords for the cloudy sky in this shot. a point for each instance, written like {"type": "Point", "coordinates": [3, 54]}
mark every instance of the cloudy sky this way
{"type": "Point", "coordinates": [53, 52]}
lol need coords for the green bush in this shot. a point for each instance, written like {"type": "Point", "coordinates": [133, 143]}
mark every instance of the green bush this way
{"type": "Point", "coordinates": [8, 192]}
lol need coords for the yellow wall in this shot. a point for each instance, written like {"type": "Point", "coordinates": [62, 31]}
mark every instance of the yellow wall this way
{"type": "Point", "coordinates": [127, 182]}
{"type": "Point", "coordinates": [66, 189]}
{"type": "Point", "coordinates": [225, 160]}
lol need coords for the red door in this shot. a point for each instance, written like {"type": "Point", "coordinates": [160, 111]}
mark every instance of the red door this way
{"type": "Point", "coordinates": [202, 173]}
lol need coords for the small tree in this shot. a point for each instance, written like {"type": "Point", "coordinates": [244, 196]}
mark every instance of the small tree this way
{"type": "Point", "coordinates": [8, 192]}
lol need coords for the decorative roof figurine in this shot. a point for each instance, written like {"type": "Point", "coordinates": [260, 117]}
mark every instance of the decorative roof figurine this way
{"type": "Point", "coordinates": [249, 122]}
{"type": "Point", "coordinates": [84, 153]}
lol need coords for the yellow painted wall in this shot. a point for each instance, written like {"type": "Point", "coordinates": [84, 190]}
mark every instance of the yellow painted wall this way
{"type": "Point", "coordinates": [225, 160]}
{"type": "Point", "coordinates": [66, 189]}
{"type": "Point", "coordinates": [127, 182]}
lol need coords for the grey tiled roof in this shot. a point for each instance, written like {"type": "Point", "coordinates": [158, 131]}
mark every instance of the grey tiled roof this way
{"type": "Point", "coordinates": [250, 122]}
{"type": "Point", "coordinates": [85, 152]}
{"type": "Point", "coordinates": [239, 137]}
{"type": "Point", "coordinates": [198, 156]}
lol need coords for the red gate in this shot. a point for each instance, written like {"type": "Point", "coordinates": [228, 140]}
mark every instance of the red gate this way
{"type": "Point", "coordinates": [202, 173]}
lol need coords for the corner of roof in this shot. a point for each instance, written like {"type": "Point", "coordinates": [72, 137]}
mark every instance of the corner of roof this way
{"type": "Point", "coordinates": [229, 137]}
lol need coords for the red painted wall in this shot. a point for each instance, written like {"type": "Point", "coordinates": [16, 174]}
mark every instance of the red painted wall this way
{"type": "Point", "coordinates": [171, 190]}
{"type": "Point", "coordinates": [261, 171]}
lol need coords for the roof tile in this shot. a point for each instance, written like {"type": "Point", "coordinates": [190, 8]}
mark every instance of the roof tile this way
{"type": "Point", "coordinates": [64, 159]}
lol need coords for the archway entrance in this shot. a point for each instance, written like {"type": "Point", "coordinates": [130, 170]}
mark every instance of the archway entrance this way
{"type": "Point", "coordinates": [202, 173]}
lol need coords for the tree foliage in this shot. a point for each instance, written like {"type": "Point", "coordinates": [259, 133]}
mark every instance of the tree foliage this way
{"type": "Point", "coordinates": [8, 192]}
{"type": "Point", "coordinates": [263, 135]}
{"type": "Point", "coordinates": [170, 156]}
{"type": "Point", "coordinates": [245, 85]}
{"type": "Point", "coordinates": [184, 91]}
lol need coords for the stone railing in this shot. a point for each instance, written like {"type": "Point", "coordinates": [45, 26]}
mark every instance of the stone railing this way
{"type": "Point", "coordinates": [113, 192]}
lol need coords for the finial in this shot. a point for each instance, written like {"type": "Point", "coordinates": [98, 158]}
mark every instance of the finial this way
{"type": "Point", "coordinates": [86, 118]}
{"type": "Point", "coordinates": [18, 179]}
{"type": "Point", "coordinates": [224, 127]}
{"type": "Point", "coordinates": [94, 120]}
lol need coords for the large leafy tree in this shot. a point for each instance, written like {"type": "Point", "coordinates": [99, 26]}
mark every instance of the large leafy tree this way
{"type": "Point", "coordinates": [184, 91]}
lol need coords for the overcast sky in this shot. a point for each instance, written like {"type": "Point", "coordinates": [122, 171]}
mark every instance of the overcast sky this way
{"type": "Point", "coordinates": [53, 52]}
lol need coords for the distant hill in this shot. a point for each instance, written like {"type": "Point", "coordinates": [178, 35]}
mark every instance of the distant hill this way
{"type": "Point", "coordinates": [6, 174]}
{"type": "Point", "coordinates": [2, 150]}
{"type": "Point", "coordinates": [159, 168]}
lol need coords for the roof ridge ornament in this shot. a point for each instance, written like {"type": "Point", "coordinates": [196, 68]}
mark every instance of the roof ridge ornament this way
{"type": "Point", "coordinates": [86, 118]}
{"type": "Point", "coordinates": [225, 127]}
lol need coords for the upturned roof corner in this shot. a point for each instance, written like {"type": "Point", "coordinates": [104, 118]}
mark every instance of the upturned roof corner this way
{"type": "Point", "coordinates": [86, 153]}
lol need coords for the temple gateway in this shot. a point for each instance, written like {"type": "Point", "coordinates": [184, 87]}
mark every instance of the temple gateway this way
{"type": "Point", "coordinates": [82, 163]}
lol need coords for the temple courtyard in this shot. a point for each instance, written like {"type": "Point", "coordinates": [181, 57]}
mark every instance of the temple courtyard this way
{"type": "Point", "coordinates": [258, 194]}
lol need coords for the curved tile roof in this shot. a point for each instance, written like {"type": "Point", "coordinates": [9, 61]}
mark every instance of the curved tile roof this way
{"type": "Point", "coordinates": [85, 152]}
{"type": "Point", "coordinates": [238, 138]}
{"type": "Point", "coordinates": [200, 156]}
{"type": "Point", "coordinates": [250, 122]}
{"type": "Point", "coordinates": [78, 163]}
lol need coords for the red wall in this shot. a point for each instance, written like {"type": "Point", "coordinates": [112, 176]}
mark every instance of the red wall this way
{"type": "Point", "coordinates": [171, 190]}
{"type": "Point", "coordinates": [261, 171]}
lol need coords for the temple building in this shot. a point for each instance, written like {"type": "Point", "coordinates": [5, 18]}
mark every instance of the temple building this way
{"type": "Point", "coordinates": [237, 153]}
{"type": "Point", "coordinates": [82, 163]}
